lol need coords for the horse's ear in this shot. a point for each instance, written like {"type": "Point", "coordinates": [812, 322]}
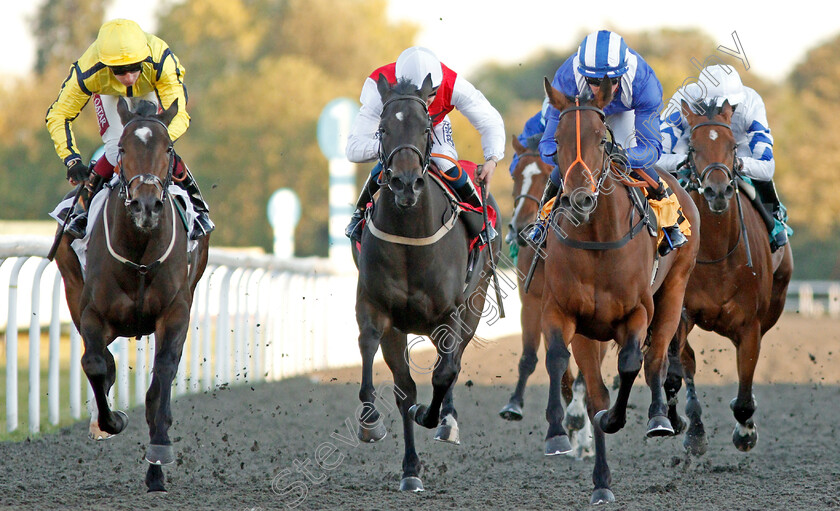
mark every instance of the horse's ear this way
{"type": "Point", "coordinates": [169, 113]}
{"type": "Point", "coordinates": [605, 93]}
{"type": "Point", "coordinates": [125, 112]}
{"type": "Point", "coordinates": [556, 98]}
{"type": "Point", "coordinates": [689, 116]}
{"type": "Point", "coordinates": [726, 110]}
{"type": "Point", "coordinates": [517, 145]}
{"type": "Point", "coordinates": [383, 87]}
{"type": "Point", "coordinates": [426, 88]}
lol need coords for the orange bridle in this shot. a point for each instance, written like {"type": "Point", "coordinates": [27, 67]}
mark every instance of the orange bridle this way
{"type": "Point", "coordinates": [579, 159]}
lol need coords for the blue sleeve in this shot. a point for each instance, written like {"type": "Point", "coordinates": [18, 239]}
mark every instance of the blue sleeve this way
{"type": "Point", "coordinates": [647, 105]}
{"type": "Point", "coordinates": [548, 148]}
{"type": "Point", "coordinates": [533, 126]}
{"type": "Point", "coordinates": [564, 81]}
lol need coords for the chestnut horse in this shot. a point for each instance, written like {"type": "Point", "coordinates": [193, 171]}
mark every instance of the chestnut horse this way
{"type": "Point", "coordinates": [413, 276]}
{"type": "Point", "coordinates": [529, 179]}
{"type": "Point", "coordinates": [602, 283]}
{"type": "Point", "coordinates": [738, 287]}
{"type": "Point", "coordinates": [144, 279]}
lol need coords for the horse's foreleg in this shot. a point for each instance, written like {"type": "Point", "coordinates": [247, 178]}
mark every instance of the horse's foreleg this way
{"type": "Point", "coordinates": [748, 343]}
{"type": "Point", "coordinates": [531, 335]}
{"type": "Point", "coordinates": [588, 356]}
{"type": "Point", "coordinates": [170, 334]}
{"type": "Point", "coordinates": [629, 365]}
{"type": "Point", "coordinates": [676, 373]}
{"type": "Point", "coordinates": [666, 320]}
{"type": "Point", "coordinates": [557, 334]}
{"type": "Point", "coordinates": [371, 428]}
{"type": "Point", "coordinates": [695, 437]}
{"type": "Point", "coordinates": [98, 364]}
{"type": "Point", "coordinates": [405, 392]}
{"type": "Point", "coordinates": [450, 343]}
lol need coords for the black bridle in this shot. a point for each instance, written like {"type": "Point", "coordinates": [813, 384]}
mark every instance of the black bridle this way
{"type": "Point", "coordinates": [146, 178]}
{"type": "Point", "coordinates": [425, 156]}
{"type": "Point", "coordinates": [697, 180]}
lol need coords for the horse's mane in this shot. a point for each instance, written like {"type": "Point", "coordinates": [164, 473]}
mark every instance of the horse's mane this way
{"type": "Point", "coordinates": [585, 96]}
{"type": "Point", "coordinates": [532, 143]}
{"type": "Point", "coordinates": [709, 108]}
{"type": "Point", "coordinates": [145, 108]}
{"type": "Point", "coordinates": [405, 87]}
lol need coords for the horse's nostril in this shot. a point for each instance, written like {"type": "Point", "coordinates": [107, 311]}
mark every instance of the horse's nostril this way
{"type": "Point", "coordinates": [565, 201]}
{"type": "Point", "coordinates": [419, 183]}
{"type": "Point", "coordinates": [158, 207]}
{"type": "Point", "coordinates": [134, 207]}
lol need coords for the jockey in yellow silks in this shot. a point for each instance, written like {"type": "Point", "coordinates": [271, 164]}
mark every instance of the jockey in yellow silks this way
{"type": "Point", "coordinates": [124, 61]}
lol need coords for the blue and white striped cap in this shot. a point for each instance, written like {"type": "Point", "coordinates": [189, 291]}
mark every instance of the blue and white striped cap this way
{"type": "Point", "coordinates": [602, 53]}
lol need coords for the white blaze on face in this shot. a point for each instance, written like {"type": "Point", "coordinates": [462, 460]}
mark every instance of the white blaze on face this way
{"type": "Point", "coordinates": [144, 134]}
{"type": "Point", "coordinates": [528, 174]}
{"type": "Point", "coordinates": [713, 135]}
{"type": "Point", "coordinates": [399, 116]}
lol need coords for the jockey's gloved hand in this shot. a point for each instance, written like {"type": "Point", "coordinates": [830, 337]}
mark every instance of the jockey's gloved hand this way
{"type": "Point", "coordinates": [77, 171]}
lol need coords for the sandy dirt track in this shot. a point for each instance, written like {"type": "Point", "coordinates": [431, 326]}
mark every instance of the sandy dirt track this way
{"type": "Point", "coordinates": [233, 444]}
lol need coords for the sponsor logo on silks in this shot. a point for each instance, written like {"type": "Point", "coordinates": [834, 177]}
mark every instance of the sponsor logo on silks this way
{"type": "Point", "coordinates": [100, 114]}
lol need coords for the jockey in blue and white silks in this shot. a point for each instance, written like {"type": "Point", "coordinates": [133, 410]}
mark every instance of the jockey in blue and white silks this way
{"type": "Point", "coordinates": [633, 114]}
{"type": "Point", "coordinates": [533, 127]}
{"type": "Point", "coordinates": [750, 128]}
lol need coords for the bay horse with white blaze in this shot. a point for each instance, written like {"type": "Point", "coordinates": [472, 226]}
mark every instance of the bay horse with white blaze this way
{"type": "Point", "coordinates": [413, 276]}
{"type": "Point", "coordinates": [139, 278]}
{"type": "Point", "coordinates": [601, 282]}
{"type": "Point", "coordinates": [529, 179]}
{"type": "Point", "coordinates": [738, 287]}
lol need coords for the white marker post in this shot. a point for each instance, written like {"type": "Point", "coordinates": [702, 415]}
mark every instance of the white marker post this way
{"type": "Point", "coordinates": [284, 215]}
{"type": "Point", "coordinates": [333, 129]}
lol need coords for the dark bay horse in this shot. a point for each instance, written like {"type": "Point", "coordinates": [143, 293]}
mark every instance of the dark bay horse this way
{"type": "Point", "coordinates": [601, 282]}
{"type": "Point", "coordinates": [725, 294]}
{"type": "Point", "coordinates": [140, 279]}
{"type": "Point", "coordinates": [529, 180]}
{"type": "Point", "coordinates": [413, 277]}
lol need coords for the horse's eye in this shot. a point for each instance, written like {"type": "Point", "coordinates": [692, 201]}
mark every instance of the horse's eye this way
{"type": "Point", "coordinates": [604, 141]}
{"type": "Point", "coordinates": [170, 149]}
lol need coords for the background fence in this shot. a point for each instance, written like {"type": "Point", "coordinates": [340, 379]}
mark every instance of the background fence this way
{"type": "Point", "coordinates": [254, 317]}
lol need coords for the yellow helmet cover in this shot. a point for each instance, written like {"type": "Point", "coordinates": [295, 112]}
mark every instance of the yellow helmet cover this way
{"type": "Point", "coordinates": [122, 42]}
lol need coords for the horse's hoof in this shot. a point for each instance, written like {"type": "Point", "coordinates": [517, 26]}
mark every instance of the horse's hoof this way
{"type": "Point", "coordinates": [680, 424]}
{"type": "Point", "coordinates": [412, 412]}
{"type": "Point", "coordinates": [411, 484]}
{"type": "Point", "coordinates": [157, 490]}
{"type": "Point", "coordinates": [601, 496]}
{"type": "Point", "coordinates": [574, 422]}
{"type": "Point", "coordinates": [558, 444]}
{"type": "Point", "coordinates": [447, 431]}
{"type": "Point", "coordinates": [95, 432]}
{"type": "Point", "coordinates": [696, 445]}
{"type": "Point", "coordinates": [160, 454]}
{"type": "Point", "coordinates": [605, 426]}
{"type": "Point", "coordinates": [372, 434]}
{"type": "Point", "coordinates": [745, 436]}
{"type": "Point", "coordinates": [511, 412]}
{"type": "Point", "coordinates": [416, 413]}
{"type": "Point", "coordinates": [659, 425]}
